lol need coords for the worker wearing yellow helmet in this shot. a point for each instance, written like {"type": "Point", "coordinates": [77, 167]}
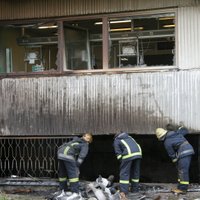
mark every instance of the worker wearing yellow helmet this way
{"type": "Point", "coordinates": [180, 151]}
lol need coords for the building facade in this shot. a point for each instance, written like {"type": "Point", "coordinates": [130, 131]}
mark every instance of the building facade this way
{"type": "Point", "coordinates": [68, 67]}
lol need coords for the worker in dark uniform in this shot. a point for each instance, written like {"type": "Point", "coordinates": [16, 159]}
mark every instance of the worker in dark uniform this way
{"type": "Point", "coordinates": [70, 156]}
{"type": "Point", "coordinates": [129, 154]}
{"type": "Point", "coordinates": [180, 151]}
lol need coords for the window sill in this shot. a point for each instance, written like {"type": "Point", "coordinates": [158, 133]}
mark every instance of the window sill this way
{"type": "Point", "coordinates": [86, 72]}
{"type": "Point", "coordinates": [124, 70]}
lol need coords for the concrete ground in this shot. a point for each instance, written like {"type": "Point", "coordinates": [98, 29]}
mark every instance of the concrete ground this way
{"type": "Point", "coordinates": [163, 192]}
{"type": "Point", "coordinates": [148, 192]}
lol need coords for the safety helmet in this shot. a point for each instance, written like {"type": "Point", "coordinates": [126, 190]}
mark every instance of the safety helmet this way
{"type": "Point", "coordinates": [160, 132]}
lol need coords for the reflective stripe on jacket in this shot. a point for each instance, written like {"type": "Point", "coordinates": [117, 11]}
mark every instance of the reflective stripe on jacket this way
{"type": "Point", "coordinates": [75, 150]}
{"type": "Point", "coordinates": [126, 147]}
{"type": "Point", "coordinates": [177, 146]}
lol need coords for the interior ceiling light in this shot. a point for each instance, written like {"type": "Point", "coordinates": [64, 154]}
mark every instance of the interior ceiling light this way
{"type": "Point", "coordinates": [165, 18]}
{"type": "Point", "coordinates": [126, 29]}
{"type": "Point", "coordinates": [138, 28]}
{"type": "Point", "coordinates": [115, 22]}
{"type": "Point", "coordinates": [50, 26]}
{"type": "Point", "coordinates": [120, 29]}
{"type": "Point", "coordinates": [169, 26]}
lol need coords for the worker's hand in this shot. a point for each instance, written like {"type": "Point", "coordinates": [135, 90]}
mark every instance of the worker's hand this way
{"type": "Point", "coordinates": [174, 160]}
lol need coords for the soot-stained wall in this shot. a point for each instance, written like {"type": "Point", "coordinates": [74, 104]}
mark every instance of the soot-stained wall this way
{"type": "Point", "coordinates": [156, 166]}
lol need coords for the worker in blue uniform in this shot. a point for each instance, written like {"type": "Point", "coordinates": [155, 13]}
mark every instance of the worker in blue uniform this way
{"type": "Point", "coordinates": [180, 151]}
{"type": "Point", "coordinates": [129, 154]}
{"type": "Point", "coordinates": [70, 156]}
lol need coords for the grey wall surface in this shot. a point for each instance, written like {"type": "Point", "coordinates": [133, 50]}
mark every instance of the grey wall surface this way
{"type": "Point", "coordinates": [102, 104]}
{"type": "Point", "coordinates": [188, 37]}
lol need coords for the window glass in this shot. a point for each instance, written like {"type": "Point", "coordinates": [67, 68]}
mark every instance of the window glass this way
{"type": "Point", "coordinates": [142, 41]}
{"type": "Point", "coordinates": [28, 47]}
{"type": "Point", "coordinates": [83, 44]}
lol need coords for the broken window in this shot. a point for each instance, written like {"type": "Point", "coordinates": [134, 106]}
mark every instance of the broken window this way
{"type": "Point", "coordinates": [82, 50]}
{"type": "Point", "coordinates": [134, 41]}
{"type": "Point", "coordinates": [28, 47]}
{"type": "Point", "coordinates": [89, 44]}
{"type": "Point", "coordinates": [141, 41]}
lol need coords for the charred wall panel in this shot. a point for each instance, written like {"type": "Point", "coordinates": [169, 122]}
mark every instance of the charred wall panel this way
{"type": "Point", "coordinates": [20, 9]}
{"type": "Point", "coordinates": [102, 104]}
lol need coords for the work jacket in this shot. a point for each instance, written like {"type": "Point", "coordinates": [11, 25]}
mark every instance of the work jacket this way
{"type": "Point", "coordinates": [126, 147]}
{"type": "Point", "coordinates": [176, 145]}
{"type": "Point", "coordinates": [75, 150]}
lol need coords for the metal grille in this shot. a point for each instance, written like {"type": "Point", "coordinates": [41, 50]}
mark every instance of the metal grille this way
{"type": "Point", "coordinates": [30, 156]}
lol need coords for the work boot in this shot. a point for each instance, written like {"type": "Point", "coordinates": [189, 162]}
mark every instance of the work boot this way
{"type": "Point", "coordinates": [134, 187]}
{"type": "Point", "coordinates": [123, 196]}
{"type": "Point", "coordinates": [178, 191]}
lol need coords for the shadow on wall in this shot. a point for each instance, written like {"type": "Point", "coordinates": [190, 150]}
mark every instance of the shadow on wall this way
{"type": "Point", "coordinates": [156, 166]}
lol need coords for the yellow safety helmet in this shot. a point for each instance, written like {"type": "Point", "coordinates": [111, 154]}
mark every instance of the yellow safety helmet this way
{"type": "Point", "coordinates": [160, 132]}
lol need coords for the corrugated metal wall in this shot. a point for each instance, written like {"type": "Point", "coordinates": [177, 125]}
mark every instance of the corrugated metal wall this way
{"type": "Point", "coordinates": [101, 104]}
{"type": "Point", "coordinates": [188, 33]}
{"type": "Point", "coordinates": [26, 9]}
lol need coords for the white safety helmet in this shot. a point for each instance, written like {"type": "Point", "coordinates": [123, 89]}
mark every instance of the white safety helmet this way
{"type": "Point", "coordinates": [160, 132]}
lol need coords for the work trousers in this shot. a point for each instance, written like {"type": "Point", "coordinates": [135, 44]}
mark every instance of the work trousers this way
{"type": "Point", "coordinates": [68, 170]}
{"type": "Point", "coordinates": [183, 166]}
{"type": "Point", "coordinates": [129, 169]}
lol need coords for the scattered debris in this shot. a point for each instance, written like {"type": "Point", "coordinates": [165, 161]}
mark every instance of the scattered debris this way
{"type": "Point", "coordinates": [108, 190]}
{"type": "Point", "coordinates": [17, 191]}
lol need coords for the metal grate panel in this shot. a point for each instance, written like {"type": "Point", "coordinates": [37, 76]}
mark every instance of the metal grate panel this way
{"type": "Point", "coordinates": [27, 157]}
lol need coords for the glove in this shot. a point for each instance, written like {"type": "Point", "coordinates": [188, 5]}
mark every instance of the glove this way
{"type": "Point", "coordinates": [174, 160]}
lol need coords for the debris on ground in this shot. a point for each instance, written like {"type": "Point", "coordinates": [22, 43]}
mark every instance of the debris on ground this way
{"type": "Point", "coordinates": [108, 191]}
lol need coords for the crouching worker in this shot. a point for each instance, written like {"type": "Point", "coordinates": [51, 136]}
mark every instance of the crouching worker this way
{"type": "Point", "coordinates": [70, 156]}
{"type": "Point", "coordinates": [129, 154]}
{"type": "Point", "coordinates": [180, 151]}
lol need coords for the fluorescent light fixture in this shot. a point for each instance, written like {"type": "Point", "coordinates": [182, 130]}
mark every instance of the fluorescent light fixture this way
{"type": "Point", "coordinates": [165, 18]}
{"type": "Point", "coordinates": [169, 26]}
{"type": "Point", "coordinates": [115, 22]}
{"type": "Point", "coordinates": [124, 59]}
{"type": "Point", "coordinates": [120, 29]}
{"type": "Point", "coordinates": [45, 27]}
{"type": "Point", "coordinates": [126, 29]}
{"type": "Point", "coordinates": [138, 28]}
{"type": "Point", "coordinates": [120, 21]}
{"type": "Point", "coordinates": [98, 23]}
